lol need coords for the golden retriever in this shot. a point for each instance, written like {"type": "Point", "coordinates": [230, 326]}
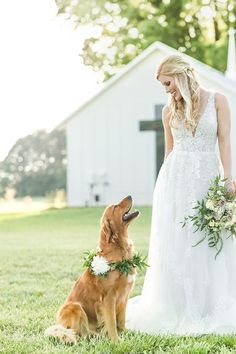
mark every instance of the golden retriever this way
{"type": "Point", "coordinates": [95, 303]}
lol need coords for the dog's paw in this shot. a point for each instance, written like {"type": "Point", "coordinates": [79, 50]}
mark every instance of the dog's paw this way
{"type": "Point", "coordinates": [61, 333]}
{"type": "Point", "coordinates": [115, 338]}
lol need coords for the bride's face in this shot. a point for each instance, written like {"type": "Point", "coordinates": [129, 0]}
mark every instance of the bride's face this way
{"type": "Point", "coordinates": [169, 83]}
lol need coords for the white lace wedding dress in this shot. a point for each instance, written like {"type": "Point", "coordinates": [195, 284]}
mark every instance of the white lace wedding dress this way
{"type": "Point", "coordinates": [186, 290]}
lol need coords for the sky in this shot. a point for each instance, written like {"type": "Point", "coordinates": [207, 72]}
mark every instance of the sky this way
{"type": "Point", "coordinates": [42, 77]}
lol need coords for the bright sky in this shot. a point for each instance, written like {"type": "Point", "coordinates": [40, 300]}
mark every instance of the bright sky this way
{"type": "Point", "coordinates": [42, 77]}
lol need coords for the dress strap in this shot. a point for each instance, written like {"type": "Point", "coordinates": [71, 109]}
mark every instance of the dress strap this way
{"type": "Point", "coordinates": [213, 99]}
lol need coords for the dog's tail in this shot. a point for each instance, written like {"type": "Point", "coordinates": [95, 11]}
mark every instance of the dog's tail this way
{"type": "Point", "coordinates": [72, 321]}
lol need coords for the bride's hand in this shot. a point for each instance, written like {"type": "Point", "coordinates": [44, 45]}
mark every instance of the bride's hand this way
{"type": "Point", "coordinates": [231, 186]}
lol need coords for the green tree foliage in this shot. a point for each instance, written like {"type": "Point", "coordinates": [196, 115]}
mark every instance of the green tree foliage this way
{"type": "Point", "coordinates": [36, 164]}
{"type": "Point", "coordinates": [124, 28]}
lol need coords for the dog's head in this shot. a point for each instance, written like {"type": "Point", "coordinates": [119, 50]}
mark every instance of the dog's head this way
{"type": "Point", "coordinates": [116, 219]}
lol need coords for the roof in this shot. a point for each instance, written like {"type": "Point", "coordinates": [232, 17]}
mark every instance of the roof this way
{"type": "Point", "coordinates": [202, 68]}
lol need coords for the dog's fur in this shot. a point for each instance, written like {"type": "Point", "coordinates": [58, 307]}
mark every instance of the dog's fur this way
{"type": "Point", "coordinates": [98, 304]}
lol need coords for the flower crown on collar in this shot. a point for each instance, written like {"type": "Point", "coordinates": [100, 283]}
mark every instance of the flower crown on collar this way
{"type": "Point", "coordinates": [99, 266]}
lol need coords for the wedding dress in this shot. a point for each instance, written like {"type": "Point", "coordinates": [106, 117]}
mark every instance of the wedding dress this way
{"type": "Point", "coordinates": [186, 290]}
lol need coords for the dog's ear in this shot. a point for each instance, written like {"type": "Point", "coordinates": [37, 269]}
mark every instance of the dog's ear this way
{"type": "Point", "coordinates": [107, 232]}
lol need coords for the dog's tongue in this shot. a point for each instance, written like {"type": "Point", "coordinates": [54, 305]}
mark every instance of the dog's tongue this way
{"type": "Point", "coordinates": [129, 216]}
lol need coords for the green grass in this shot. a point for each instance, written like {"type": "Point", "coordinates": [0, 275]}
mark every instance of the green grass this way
{"type": "Point", "coordinates": [40, 258]}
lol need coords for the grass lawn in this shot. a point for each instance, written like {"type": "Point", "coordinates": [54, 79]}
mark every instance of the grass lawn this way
{"type": "Point", "coordinates": [40, 258]}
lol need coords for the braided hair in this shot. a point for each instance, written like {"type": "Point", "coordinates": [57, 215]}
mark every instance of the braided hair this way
{"type": "Point", "coordinates": [186, 109]}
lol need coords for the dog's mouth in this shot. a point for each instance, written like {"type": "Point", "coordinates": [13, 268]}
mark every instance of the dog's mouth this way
{"type": "Point", "coordinates": [129, 215]}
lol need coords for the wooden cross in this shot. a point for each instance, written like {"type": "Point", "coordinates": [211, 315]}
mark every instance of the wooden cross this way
{"type": "Point", "coordinates": [157, 126]}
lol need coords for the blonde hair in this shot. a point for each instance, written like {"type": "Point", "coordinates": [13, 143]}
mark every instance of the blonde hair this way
{"type": "Point", "coordinates": [187, 109]}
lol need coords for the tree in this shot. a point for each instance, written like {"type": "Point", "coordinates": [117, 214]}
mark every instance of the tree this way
{"type": "Point", "coordinates": [36, 164]}
{"type": "Point", "coordinates": [124, 28]}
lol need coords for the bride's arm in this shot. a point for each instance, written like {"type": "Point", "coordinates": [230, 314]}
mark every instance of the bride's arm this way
{"type": "Point", "coordinates": [167, 131]}
{"type": "Point", "coordinates": [223, 132]}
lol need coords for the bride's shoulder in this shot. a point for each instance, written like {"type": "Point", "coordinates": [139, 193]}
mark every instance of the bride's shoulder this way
{"type": "Point", "coordinates": [220, 100]}
{"type": "Point", "coordinates": [165, 113]}
{"type": "Point", "coordinates": [166, 110]}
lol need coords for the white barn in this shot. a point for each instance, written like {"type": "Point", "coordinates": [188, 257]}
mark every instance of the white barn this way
{"type": "Point", "coordinates": [108, 156]}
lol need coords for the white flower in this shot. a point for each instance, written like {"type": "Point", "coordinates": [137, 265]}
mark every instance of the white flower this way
{"type": "Point", "coordinates": [221, 183]}
{"type": "Point", "coordinates": [211, 223]}
{"type": "Point", "coordinates": [220, 211]}
{"type": "Point", "coordinates": [217, 215]}
{"type": "Point", "coordinates": [222, 203]}
{"type": "Point", "coordinates": [209, 204]}
{"type": "Point", "coordinates": [229, 223]}
{"type": "Point", "coordinates": [231, 206]}
{"type": "Point", "coordinates": [208, 217]}
{"type": "Point", "coordinates": [99, 265]}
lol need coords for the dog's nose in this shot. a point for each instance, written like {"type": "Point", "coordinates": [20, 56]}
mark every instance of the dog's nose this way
{"type": "Point", "coordinates": [129, 197]}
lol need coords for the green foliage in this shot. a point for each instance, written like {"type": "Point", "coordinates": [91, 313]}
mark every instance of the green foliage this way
{"type": "Point", "coordinates": [88, 258]}
{"type": "Point", "coordinates": [36, 164]}
{"type": "Point", "coordinates": [125, 266]}
{"type": "Point", "coordinates": [126, 27]}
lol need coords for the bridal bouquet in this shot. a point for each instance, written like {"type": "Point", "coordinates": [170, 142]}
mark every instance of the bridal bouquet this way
{"type": "Point", "coordinates": [215, 213]}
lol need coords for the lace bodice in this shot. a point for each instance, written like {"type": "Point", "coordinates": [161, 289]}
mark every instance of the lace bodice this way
{"type": "Point", "coordinates": [195, 156]}
{"type": "Point", "coordinates": [206, 132]}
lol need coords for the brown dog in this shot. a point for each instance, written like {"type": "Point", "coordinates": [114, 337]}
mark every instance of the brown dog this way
{"type": "Point", "coordinates": [97, 304]}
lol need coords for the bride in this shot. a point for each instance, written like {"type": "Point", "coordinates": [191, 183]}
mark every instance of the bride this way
{"type": "Point", "coordinates": [186, 290]}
